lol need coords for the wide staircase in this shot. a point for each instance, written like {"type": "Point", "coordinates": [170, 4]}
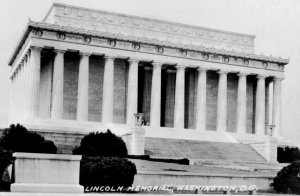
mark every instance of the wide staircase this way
{"type": "Point", "coordinates": [202, 150]}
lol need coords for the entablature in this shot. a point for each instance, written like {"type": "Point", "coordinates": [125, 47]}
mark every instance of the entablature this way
{"type": "Point", "coordinates": [62, 36]}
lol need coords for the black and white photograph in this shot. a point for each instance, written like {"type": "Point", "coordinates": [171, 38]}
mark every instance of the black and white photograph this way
{"type": "Point", "coordinates": [149, 97]}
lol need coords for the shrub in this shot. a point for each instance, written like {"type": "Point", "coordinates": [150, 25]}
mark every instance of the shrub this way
{"type": "Point", "coordinates": [288, 179]}
{"type": "Point", "coordinates": [5, 160]}
{"type": "Point", "coordinates": [288, 154]}
{"type": "Point", "coordinates": [102, 144]}
{"type": "Point", "coordinates": [106, 171]}
{"type": "Point", "coordinates": [48, 146]}
{"type": "Point", "coordinates": [17, 139]}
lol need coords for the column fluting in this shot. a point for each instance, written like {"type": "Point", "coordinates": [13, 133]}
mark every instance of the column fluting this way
{"type": "Point", "coordinates": [108, 90]}
{"type": "Point", "coordinates": [34, 81]}
{"type": "Point", "coordinates": [260, 106]}
{"type": "Point", "coordinates": [83, 87]}
{"type": "Point", "coordinates": [132, 99]}
{"type": "Point", "coordinates": [241, 117]}
{"type": "Point", "coordinates": [179, 97]}
{"type": "Point", "coordinates": [277, 104]}
{"type": "Point", "coordinates": [222, 102]}
{"type": "Point", "coordinates": [58, 85]}
{"type": "Point", "coordinates": [155, 108]}
{"type": "Point", "coordinates": [201, 99]}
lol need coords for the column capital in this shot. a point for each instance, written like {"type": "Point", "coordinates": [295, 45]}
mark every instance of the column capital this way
{"type": "Point", "coordinates": [84, 53]}
{"type": "Point", "coordinates": [279, 79]}
{"type": "Point", "coordinates": [109, 57]}
{"type": "Point", "coordinates": [200, 69]}
{"type": "Point", "coordinates": [179, 67]}
{"type": "Point", "coordinates": [36, 48]}
{"type": "Point", "coordinates": [157, 64]}
{"type": "Point", "coordinates": [222, 72]}
{"type": "Point", "coordinates": [59, 51]}
{"type": "Point", "coordinates": [261, 77]}
{"type": "Point", "coordinates": [241, 74]}
{"type": "Point", "coordinates": [132, 60]}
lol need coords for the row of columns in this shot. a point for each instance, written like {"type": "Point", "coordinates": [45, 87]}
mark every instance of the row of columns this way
{"type": "Point", "coordinates": [33, 81]}
{"type": "Point", "coordinates": [222, 101]}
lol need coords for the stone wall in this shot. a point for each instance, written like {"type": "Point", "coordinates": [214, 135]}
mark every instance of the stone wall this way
{"type": "Point", "coordinates": [144, 91]}
{"type": "Point", "coordinates": [190, 98]}
{"type": "Point", "coordinates": [251, 88]}
{"type": "Point", "coordinates": [120, 90]}
{"type": "Point", "coordinates": [211, 100]}
{"type": "Point", "coordinates": [168, 98]}
{"type": "Point", "coordinates": [232, 86]}
{"type": "Point", "coordinates": [96, 71]}
{"type": "Point", "coordinates": [71, 70]}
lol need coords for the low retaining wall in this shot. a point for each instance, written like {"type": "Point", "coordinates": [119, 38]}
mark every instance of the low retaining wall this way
{"type": "Point", "coordinates": [146, 178]}
{"type": "Point", "coordinates": [57, 173]}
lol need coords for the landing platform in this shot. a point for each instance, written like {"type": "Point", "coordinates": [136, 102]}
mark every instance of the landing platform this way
{"type": "Point", "coordinates": [152, 173]}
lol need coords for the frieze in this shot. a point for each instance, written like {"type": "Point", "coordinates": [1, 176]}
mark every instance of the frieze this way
{"type": "Point", "coordinates": [147, 48]}
{"type": "Point", "coordinates": [73, 37]}
{"type": "Point", "coordinates": [125, 45]}
{"type": "Point", "coordinates": [100, 41]}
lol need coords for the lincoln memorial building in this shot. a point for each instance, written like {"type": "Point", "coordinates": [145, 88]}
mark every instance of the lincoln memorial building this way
{"type": "Point", "coordinates": [82, 70]}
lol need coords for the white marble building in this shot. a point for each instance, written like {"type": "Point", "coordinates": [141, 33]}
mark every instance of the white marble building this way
{"type": "Point", "coordinates": [81, 70]}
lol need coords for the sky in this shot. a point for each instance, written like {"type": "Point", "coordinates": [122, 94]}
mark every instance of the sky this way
{"type": "Point", "coordinates": [276, 24]}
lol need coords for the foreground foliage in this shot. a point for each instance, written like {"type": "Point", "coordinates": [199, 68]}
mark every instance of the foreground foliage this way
{"type": "Point", "coordinates": [288, 179]}
{"type": "Point", "coordinates": [288, 154]}
{"type": "Point", "coordinates": [106, 171]}
{"type": "Point", "coordinates": [102, 144]}
{"type": "Point", "coordinates": [17, 138]}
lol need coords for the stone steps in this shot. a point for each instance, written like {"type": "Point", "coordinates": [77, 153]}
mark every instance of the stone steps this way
{"type": "Point", "coordinates": [202, 150]}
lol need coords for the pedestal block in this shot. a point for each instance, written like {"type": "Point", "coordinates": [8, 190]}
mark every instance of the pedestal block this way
{"type": "Point", "coordinates": [45, 173]}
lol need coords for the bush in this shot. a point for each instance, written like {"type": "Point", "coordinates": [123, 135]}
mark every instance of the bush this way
{"type": "Point", "coordinates": [288, 179]}
{"type": "Point", "coordinates": [106, 171]}
{"type": "Point", "coordinates": [288, 154]}
{"type": "Point", "coordinates": [102, 144]}
{"type": "Point", "coordinates": [5, 160]}
{"type": "Point", "coordinates": [48, 146]}
{"type": "Point", "coordinates": [17, 139]}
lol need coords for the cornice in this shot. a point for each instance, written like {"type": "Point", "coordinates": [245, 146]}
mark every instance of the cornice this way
{"type": "Point", "coordinates": [137, 41]}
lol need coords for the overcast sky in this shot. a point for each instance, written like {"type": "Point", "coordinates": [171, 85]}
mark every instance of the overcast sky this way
{"type": "Point", "coordinates": [276, 24]}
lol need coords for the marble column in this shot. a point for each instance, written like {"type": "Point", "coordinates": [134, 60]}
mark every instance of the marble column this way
{"type": "Point", "coordinates": [26, 85]}
{"type": "Point", "coordinates": [83, 87]}
{"type": "Point", "coordinates": [260, 106]}
{"type": "Point", "coordinates": [179, 97]}
{"type": "Point", "coordinates": [132, 94]}
{"type": "Point", "coordinates": [58, 85]}
{"type": "Point", "coordinates": [34, 81]}
{"type": "Point", "coordinates": [277, 115]}
{"type": "Point", "coordinates": [155, 95]}
{"type": "Point", "coordinates": [21, 90]}
{"type": "Point", "coordinates": [201, 100]}
{"type": "Point", "coordinates": [108, 90]}
{"type": "Point", "coordinates": [241, 118]}
{"type": "Point", "coordinates": [222, 102]}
